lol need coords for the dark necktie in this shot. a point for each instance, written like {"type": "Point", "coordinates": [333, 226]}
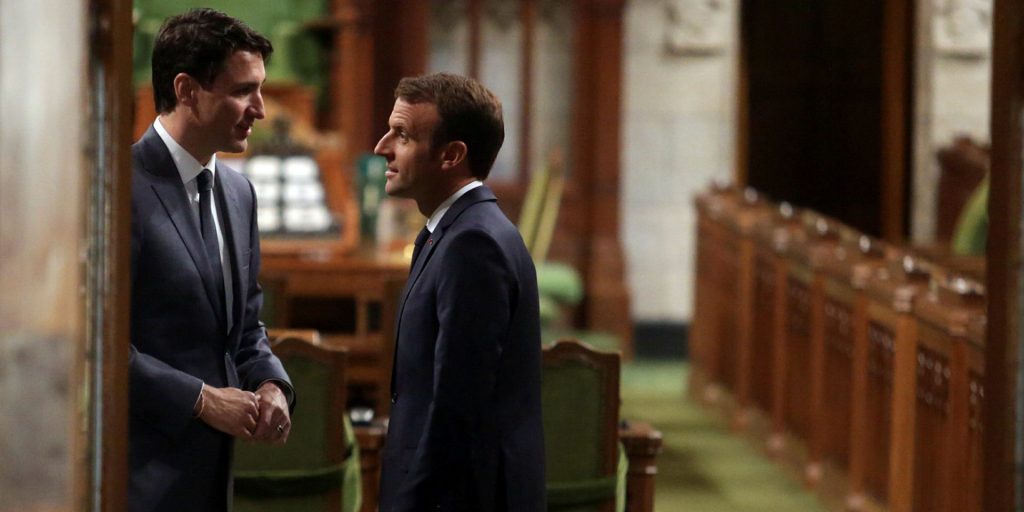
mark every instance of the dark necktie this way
{"type": "Point", "coordinates": [420, 240]}
{"type": "Point", "coordinates": [209, 230]}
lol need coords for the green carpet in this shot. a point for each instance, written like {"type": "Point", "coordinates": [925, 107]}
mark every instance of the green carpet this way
{"type": "Point", "coordinates": [704, 468]}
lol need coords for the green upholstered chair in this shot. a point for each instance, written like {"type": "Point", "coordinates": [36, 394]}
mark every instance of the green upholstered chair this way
{"type": "Point", "coordinates": [580, 401]}
{"type": "Point", "coordinates": [971, 233]}
{"type": "Point", "coordinates": [600, 340]}
{"type": "Point", "coordinates": [318, 468]}
{"type": "Point", "coordinates": [559, 285]}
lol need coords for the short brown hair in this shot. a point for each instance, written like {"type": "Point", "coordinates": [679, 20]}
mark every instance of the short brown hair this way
{"type": "Point", "coordinates": [199, 42]}
{"type": "Point", "coordinates": [469, 113]}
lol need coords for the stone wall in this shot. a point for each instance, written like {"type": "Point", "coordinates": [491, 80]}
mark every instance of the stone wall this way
{"type": "Point", "coordinates": [679, 134]}
{"type": "Point", "coordinates": [954, 66]}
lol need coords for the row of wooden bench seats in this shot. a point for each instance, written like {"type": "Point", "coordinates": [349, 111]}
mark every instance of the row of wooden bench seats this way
{"type": "Point", "coordinates": [858, 361]}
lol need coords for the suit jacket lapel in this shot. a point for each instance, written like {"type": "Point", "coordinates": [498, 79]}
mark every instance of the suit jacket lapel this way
{"type": "Point", "coordinates": [171, 192]}
{"type": "Point", "coordinates": [417, 268]}
{"type": "Point", "coordinates": [470, 198]}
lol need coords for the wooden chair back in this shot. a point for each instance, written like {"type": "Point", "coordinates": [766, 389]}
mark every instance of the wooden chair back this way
{"type": "Point", "coordinates": [307, 471]}
{"type": "Point", "coordinates": [580, 400]}
{"type": "Point", "coordinates": [962, 165]}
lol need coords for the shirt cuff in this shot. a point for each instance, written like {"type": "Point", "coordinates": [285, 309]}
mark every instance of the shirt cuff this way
{"type": "Point", "coordinates": [195, 405]}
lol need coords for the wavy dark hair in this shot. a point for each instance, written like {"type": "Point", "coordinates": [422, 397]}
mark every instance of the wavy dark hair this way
{"type": "Point", "coordinates": [199, 42]}
{"type": "Point", "coordinates": [469, 112]}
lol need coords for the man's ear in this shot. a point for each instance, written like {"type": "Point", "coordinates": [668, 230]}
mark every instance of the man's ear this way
{"type": "Point", "coordinates": [185, 89]}
{"type": "Point", "coordinates": [453, 154]}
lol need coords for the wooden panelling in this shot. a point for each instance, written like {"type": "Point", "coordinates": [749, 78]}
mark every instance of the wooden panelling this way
{"type": "Point", "coordinates": [874, 365]}
{"type": "Point", "coordinates": [835, 414]}
{"type": "Point", "coordinates": [949, 397]}
{"type": "Point", "coordinates": [762, 351]}
{"type": "Point", "coordinates": [846, 272]}
{"type": "Point", "coordinates": [798, 361]}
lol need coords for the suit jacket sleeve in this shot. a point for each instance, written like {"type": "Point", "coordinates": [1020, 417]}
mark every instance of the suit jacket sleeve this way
{"type": "Point", "coordinates": [165, 396]}
{"type": "Point", "coordinates": [255, 361]}
{"type": "Point", "coordinates": [151, 377]}
{"type": "Point", "coordinates": [475, 292]}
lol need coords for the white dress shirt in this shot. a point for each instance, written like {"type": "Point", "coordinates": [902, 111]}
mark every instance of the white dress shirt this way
{"type": "Point", "coordinates": [435, 218]}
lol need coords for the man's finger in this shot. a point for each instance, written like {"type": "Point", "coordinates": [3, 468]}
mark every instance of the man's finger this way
{"type": "Point", "coordinates": [251, 424]}
{"type": "Point", "coordinates": [270, 418]}
{"type": "Point", "coordinates": [264, 430]}
{"type": "Point", "coordinates": [246, 433]}
{"type": "Point", "coordinates": [282, 436]}
{"type": "Point", "coordinates": [260, 434]}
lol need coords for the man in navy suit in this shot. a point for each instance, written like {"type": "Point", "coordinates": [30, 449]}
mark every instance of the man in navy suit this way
{"type": "Point", "coordinates": [201, 369]}
{"type": "Point", "coordinates": [465, 432]}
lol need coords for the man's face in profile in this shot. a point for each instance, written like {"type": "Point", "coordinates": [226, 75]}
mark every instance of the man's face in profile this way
{"type": "Point", "coordinates": [414, 165]}
{"type": "Point", "coordinates": [227, 110]}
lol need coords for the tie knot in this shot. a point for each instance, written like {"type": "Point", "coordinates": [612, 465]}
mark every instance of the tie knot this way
{"type": "Point", "coordinates": [205, 180]}
{"type": "Point", "coordinates": [422, 237]}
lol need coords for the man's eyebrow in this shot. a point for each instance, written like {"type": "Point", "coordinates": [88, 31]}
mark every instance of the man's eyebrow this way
{"type": "Point", "coordinates": [248, 85]}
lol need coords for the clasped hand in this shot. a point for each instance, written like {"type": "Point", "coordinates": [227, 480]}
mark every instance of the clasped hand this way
{"type": "Point", "coordinates": [260, 416]}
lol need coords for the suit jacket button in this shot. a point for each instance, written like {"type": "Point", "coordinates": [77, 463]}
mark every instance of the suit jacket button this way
{"type": "Point", "coordinates": [394, 398]}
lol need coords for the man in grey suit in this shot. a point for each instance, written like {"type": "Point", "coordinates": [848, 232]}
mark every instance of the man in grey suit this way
{"type": "Point", "coordinates": [465, 432]}
{"type": "Point", "coordinates": [201, 369]}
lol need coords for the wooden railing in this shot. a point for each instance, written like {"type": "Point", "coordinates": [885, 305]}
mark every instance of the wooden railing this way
{"type": "Point", "coordinates": [858, 361]}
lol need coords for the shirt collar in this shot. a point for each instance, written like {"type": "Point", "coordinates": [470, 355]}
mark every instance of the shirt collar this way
{"type": "Point", "coordinates": [435, 218]}
{"type": "Point", "coordinates": [188, 166]}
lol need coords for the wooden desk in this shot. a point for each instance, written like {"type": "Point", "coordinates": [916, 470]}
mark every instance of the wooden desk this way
{"type": "Point", "coordinates": [371, 442]}
{"type": "Point", "coordinates": [351, 300]}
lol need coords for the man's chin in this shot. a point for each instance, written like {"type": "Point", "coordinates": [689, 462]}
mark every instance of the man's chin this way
{"type": "Point", "coordinates": [394, 190]}
{"type": "Point", "coordinates": [236, 147]}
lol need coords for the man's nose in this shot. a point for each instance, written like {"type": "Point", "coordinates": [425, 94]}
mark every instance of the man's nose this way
{"type": "Point", "coordinates": [257, 110]}
{"type": "Point", "coordinates": [381, 148]}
